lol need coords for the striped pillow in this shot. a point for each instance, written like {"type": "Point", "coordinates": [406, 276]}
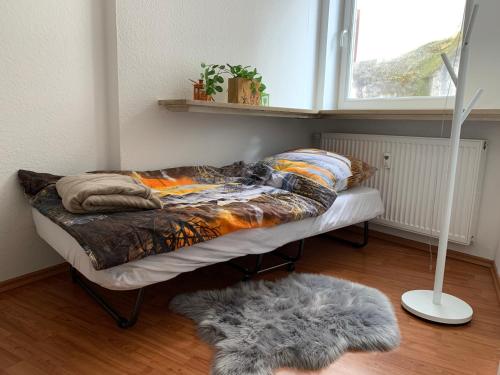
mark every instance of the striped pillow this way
{"type": "Point", "coordinates": [325, 168]}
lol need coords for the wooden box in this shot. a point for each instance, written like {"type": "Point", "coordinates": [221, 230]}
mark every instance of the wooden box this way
{"type": "Point", "coordinates": [239, 91]}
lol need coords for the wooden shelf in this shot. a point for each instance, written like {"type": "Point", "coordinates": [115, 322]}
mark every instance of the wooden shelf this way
{"type": "Point", "coordinates": [184, 105]}
{"type": "Point", "coordinates": [408, 114]}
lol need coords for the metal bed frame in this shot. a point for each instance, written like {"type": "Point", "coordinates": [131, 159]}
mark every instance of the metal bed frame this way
{"type": "Point", "coordinates": [289, 263]}
{"type": "Point", "coordinates": [122, 322]}
{"type": "Point", "coordinates": [356, 245]}
{"type": "Point", "coordinates": [248, 273]}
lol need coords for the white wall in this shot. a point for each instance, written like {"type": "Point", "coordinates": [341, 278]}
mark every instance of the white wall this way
{"type": "Point", "coordinates": [484, 66]}
{"type": "Point", "coordinates": [160, 46]}
{"type": "Point", "coordinates": [79, 82]}
{"type": "Point", "coordinates": [51, 111]}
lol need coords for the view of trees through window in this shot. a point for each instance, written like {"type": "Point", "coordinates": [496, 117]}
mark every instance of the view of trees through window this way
{"type": "Point", "coordinates": [397, 53]}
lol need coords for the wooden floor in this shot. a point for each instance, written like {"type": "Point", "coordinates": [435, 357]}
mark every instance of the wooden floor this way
{"type": "Point", "coordinates": [52, 327]}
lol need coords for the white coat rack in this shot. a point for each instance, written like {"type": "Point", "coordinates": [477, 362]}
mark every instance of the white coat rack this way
{"type": "Point", "coordinates": [434, 305]}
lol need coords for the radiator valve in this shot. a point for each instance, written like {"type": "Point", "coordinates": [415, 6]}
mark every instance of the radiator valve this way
{"type": "Point", "coordinates": [387, 160]}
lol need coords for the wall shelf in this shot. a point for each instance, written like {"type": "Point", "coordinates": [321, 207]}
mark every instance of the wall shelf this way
{"type": "Point", "coordinates": [185, 105]}
{"type": "Point", "coordinates": [408, 114]}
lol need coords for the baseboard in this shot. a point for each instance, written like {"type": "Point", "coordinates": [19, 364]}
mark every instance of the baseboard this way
{"type": "Point", "coordinates": [451, 254]}
{"type": "Point", "coordinates": [495, 273]}
{"type": "Point", "coordinates": [16, 282]}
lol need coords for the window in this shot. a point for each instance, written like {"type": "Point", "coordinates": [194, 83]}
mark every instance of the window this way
{"type": "Point", "coordinates": [391, 53]}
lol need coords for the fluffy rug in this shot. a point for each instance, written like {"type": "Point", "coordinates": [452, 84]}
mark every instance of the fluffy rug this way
{"type": "Point", "coordinates": [304, 321]}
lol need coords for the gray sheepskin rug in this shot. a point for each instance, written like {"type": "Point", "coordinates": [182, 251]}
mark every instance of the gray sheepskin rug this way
{"type": "Point", "coordinates": [303, 321]}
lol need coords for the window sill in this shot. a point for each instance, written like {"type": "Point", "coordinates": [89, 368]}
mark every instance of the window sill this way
{"type": "Point", "coordinates": [408, 114]}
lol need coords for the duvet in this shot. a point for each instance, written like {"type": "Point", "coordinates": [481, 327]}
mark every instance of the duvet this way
{"type": "Point", "coordinates": [200, 203]}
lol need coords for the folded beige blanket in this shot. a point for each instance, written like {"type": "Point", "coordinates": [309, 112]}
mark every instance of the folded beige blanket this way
{"type": "Point", "coordinates": [103, 192]}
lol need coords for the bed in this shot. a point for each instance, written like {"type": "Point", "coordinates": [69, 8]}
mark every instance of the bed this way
{"type": "Point", "coordinates": [207, 215]}
{"type": "Point", "coordinates": [352, 206]}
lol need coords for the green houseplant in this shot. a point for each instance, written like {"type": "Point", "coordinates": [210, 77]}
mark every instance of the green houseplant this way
{"type": "Point", "coordinates": [245, 85]}
{"type": "Point", "coordinates": [209, 83]}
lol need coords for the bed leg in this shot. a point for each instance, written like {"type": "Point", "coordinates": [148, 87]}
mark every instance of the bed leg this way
{"type": "Point", "coordinates": [298, 256]}
{"type": "Point", "coordinates": [290, 260]}
{"type": "Point", "coordinates": [121, 321]}
{"type": "Point", "coordinates": [72, 272]}
{"type": "Point", "coordinates": [289, 263]}
{"type": "Point", "coordinates": [247, 272]}
{"type": "Point", "coordinates": [356, 245]}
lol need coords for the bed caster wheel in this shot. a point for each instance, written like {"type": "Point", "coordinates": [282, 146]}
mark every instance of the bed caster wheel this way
{"type": "Point", "coordinates": [247, 277]}
{"type": "Point", "coordinates": [291, 267]}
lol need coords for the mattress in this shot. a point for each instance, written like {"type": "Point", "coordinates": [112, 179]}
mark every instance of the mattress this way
{"type": "Point", "coordinates": [351, 206]}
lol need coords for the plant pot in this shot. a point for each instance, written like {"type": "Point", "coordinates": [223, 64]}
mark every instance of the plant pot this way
{"type": "Point", "coordinates": [239, 91]}
{"type": "Point", "coordinates": [205, 97]}
{"type": "Point", "coordinates": [199, 92]}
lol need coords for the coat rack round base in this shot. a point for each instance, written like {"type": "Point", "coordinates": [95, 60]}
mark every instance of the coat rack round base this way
{"type": "Point", "coordinates": [451, 310]}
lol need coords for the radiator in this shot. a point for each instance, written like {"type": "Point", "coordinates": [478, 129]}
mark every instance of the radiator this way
{"type": "Point", "coordinates": [412, 179]}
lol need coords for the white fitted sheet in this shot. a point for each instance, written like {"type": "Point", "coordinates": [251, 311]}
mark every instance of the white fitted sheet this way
{"type": "Point", "coordinates": [351, 206]}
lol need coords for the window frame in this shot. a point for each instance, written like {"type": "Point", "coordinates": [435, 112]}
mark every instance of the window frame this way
{"type": "Point", "coordinates": [346, 45]}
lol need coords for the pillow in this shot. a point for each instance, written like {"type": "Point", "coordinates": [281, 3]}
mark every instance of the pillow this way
{"type": "Point", "coordinates": [325, 168]}
{"type": "Point", "coordinates": [331, 170]}
{"type": "Point", "coordinates": [361, 172]}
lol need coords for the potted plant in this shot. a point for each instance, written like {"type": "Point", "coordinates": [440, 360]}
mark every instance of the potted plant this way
{"type": "Point", "coordinates": [209, 83]}
{"type": "Point", "coordinates": [245, 85]}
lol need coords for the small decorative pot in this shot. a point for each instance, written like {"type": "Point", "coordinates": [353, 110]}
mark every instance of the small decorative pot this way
{"type": "Point", "coordinates": [239, 91]}
{"type": "Point", "coordinates": [199, 92]}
